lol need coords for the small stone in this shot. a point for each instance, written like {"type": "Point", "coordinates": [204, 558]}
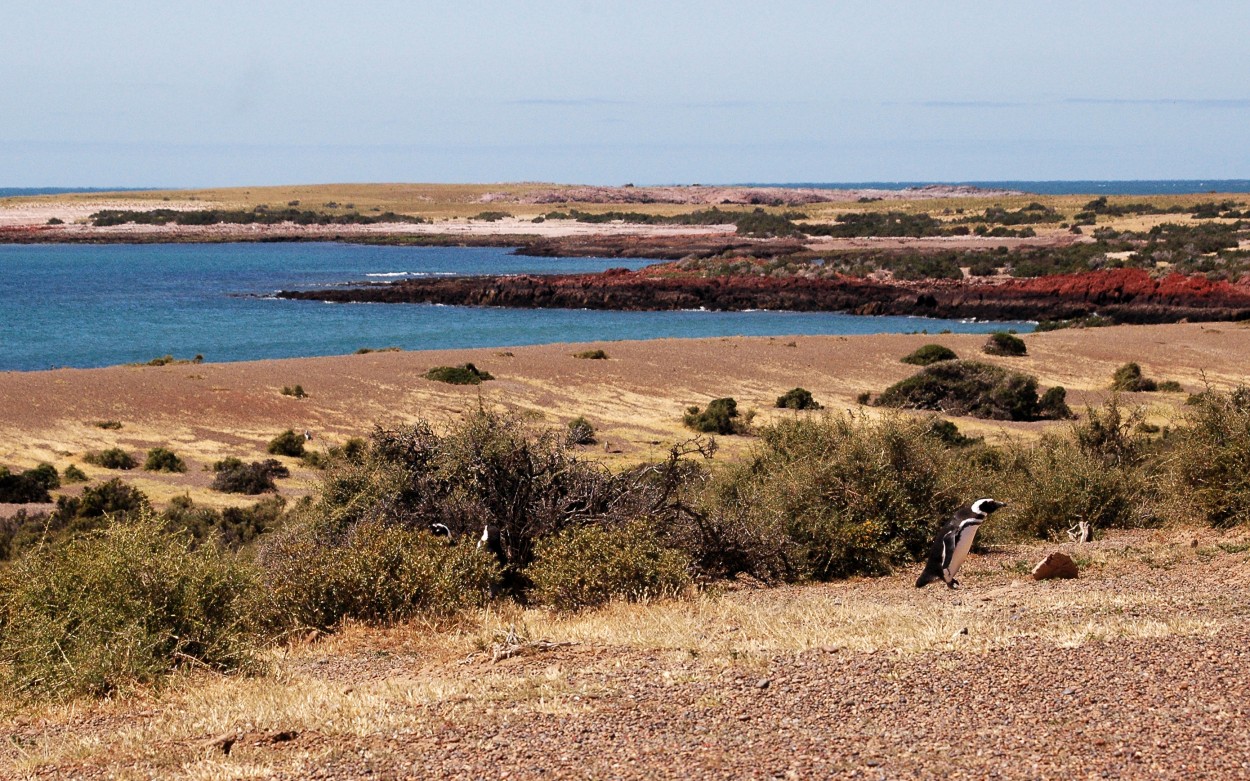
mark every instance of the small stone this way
{"type": "Point", "coordinates": [1055, 565]}
{"type": "Point", "coordinates": [763, 684]}
{"type": "Point", "coordinates": [1193, 543]}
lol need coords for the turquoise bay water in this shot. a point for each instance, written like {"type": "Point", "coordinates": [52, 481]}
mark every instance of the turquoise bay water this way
{"type": "Point", "coordinates": [85, 306]}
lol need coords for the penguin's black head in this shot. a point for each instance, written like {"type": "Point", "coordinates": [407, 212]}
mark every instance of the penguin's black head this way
{"type": "Point", "coordinates": [987, 506]}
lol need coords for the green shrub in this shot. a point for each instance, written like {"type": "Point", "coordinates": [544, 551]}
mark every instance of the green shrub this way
{"type": "Point", "coordinates": [108, 424]}
{"type": "Point", "coordinates": [581, 431]}
{"type": "Point", "coordinates": [162, 460]}
{"type": "Point", "coordinates": [101, 613]}
{"type": "Point", "coordinates": [235, 477]}
{"type": "Point", "coordinates": [73, 474]}
{"type": "Point", "coordinates": [719, 417]}
{"type": "Point", "coordinates": [1004, 344]}
{"type": "Point", "coordinates": [586, 566]}
{"type": "Point", "coordinates": [797, 398]}
{"type": "Point", "coordinates": [1170, 386]}
{"type": "Point", "coordinates": [467, 374]}
{"type": "Point", "coordinates": [968, 388]}
{"type": "Point", "coordinates": [928, 354]}
{"type": "Point", "coordinates": [1210, 462]}
{"type": "Point", "coordinates": [113, 458]}
{"type": "Point", "coordinates": [831, 497]}
{"type": "Point", "coordinates": [594, 355]}
{"type": "Point", "coordinates": [297, 391]}
{"type": "Point", "coordinates": [288, 443]}
{"type": "Point", "coordinates": [372, 571]}
{"type": "Point", "coordinates": [353, 450]}
{"type": "Point", "coordinates": [1129, 378]}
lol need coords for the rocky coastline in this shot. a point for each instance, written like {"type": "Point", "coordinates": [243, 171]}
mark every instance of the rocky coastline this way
{"type": "Point", "coordinates": [1119, 295]}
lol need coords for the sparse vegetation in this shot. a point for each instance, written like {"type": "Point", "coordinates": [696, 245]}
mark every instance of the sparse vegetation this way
{"type": "Point", "coordinates": [112, 425]}
{"type": "Point", "coordinates": [296, 391]}
{"type": "Point", "coordinates": [594, 355]}
{"type": "Point", "coordinates": [466, 374]}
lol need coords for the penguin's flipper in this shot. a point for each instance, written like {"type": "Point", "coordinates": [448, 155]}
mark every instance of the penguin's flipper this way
{"type": "Point", "coordinates": [948, 552]}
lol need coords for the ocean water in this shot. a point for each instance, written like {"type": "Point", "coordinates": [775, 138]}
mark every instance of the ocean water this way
{"type": "Point", "coordinates": [85, 306]}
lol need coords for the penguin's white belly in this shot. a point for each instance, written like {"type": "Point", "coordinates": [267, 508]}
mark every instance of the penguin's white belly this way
{"type": "Point", "coordinates": [962, 546]}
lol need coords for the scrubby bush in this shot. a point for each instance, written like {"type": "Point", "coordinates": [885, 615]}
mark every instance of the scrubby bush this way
{"type": "Point", "coordinates": [73, 474]}
{"type": "Point", "coordinates": [969, 388]}
{"type": "Point", "coordinates": [797, 398]}
{"type": "Point", "coordinates": [487, 469]}
{"type": "Point", "coordinates": [288, 443]}
{"type": "Point", "coordinates": [298, 390]}
{"type": "Point", "coordinates": [111, 498]}
{"type": "Point", "coordinates": [929, 354]}
{"type": "Point", "coordinates": [232, 527]}
{"type": "Point", "coordinates": [1129, 378]}
{"type": "Point", "coordinates": [719, 417]}
{"type": "Point", "coordinates": [1056, 485]}
{"type": "Point", "coordinates": [948, 433]}
{"type": "Point", "coordinates": [29, 486]}
{"type": "Point", "coordinates": [101, 613]}
{"type": "Point", "coordinates": [594, 355]}
{"type": "Point", "coordinates": [466, 374]}
{"type": "Point", "coordinates": [1210, 461]}
{"type": "Point", "coordinates": [113, 458]}
{"type": "Point", "coordinates": [108, 424]}
{"type": "Point", "coordinates": [1004, 344]}
{"type": "Point", "coordinates": [235, 477]}
{"type": "Point", "coordinates": [832, 497]}
{"type": "Point", "coordinates": [1054, 404]}
{"type": "Point", "coordinates": [586, 566]}
{"type": "Point", "coordinates": [581, 431]}
{"type": "Point", "coordinates": [372, 571]}
{"type": "Point", "coordinates": [163, 460]}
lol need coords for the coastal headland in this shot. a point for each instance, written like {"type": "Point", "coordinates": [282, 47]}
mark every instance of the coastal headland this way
{"type": "Point", "coordinates": [947, 251]}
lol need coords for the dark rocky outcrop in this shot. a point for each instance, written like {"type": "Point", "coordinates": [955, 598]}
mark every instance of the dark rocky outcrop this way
{"type": "Point", "coordinates": [1121, 295]}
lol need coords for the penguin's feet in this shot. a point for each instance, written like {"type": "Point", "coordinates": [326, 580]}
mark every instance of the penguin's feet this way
{"type": "Point", "coordinates": [953, 583]}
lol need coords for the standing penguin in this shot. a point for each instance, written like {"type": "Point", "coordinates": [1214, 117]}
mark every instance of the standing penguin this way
{"type": "Point", "coordinates": [953, 542]}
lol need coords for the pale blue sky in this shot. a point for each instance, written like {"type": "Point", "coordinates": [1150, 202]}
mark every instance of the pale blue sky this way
{"type": "Point", "coordinates": [130, 93]}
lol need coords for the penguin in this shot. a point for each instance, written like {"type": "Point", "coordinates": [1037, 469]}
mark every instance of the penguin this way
{"type": "Point", "coordinates": [492, 540]}
{"type": "Point", "coordinates": [440, 530]}
{"type": "Point", "coordinates": [954, 540]}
